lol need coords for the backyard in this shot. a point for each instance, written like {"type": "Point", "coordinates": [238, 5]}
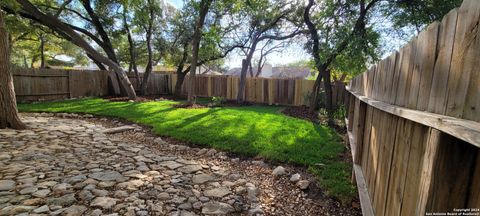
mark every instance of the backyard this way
{"type": "Point", "coordinates": [239, 107]}
{"type": "Point", "coordinates": [253, 131]}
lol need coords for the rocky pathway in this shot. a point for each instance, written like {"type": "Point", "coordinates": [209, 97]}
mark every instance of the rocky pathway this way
{"type": "Point", "coordinates": [86, 166]}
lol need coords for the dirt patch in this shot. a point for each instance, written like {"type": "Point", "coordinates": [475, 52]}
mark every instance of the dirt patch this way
{"type": "Point", "coordinates": [301, 112]}
{"type": "Point", "coordinates": [145, 98]}
{"type": "Point", "coordinates": [189, 106]}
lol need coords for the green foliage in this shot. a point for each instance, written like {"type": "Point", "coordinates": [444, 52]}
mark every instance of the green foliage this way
{"type": "Point", "coordinates": [251, 130]}
{"type": "Point", "coordinates": [217, 101]}
{"type": "Point", "coordinates": [340, 113]}
{"type": "Point", "coordinates": [334, 22]}
{"type": "Point", "coordinates": [418, 13]}
{"type": "Point", "coordinates": [25, 38]}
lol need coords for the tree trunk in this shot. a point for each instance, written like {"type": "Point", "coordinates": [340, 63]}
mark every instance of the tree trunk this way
{"type": "Point", "coordinates": [251, 69]}
{"type": "Point", "coordinates": [99, 64]}
{"type": "Point", "coordinates": [328, 97]}
{"type": "Point", "coordinates": [180, 73]}
{"type": "Point", "coordinates": [131, 48]}
{"type": "Point", "coordinates": [107, 44]}
{"type": "Point", "coordinates": [178, 84]}
{"type": "Point", "coordinates": [315, 90]}
{"type": "Point", "coordinates": [148, 69]}
{"type": "Point", "coordinates": [25, 64]}
{"type": "Point", "coordinates": [243, 74]}
{"type": "Point", "coordinates": [56, 25]}
{"type": "Point", "coordinates": [197, 36]}
{"type": "Point", "coordinates": [8, 103]}
{"type": "Point", "coordinates": [259, 66]}
{"type": "Point", "coordinates": [42, 52]}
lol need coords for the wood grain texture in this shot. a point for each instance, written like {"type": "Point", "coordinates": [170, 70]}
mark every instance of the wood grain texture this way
{"type": "Point", "coordinates": [447, 179]}
{"type": "Point", "coordinates": [426, 51]}
{"type": "Point", "coordinates": [414, 168]}
{"type": "Point", "coordinates": [465, 63]}
{"type": "Point", "coordinates": [474, 193]}
{"type": "Point", "coordinates": [398, 170]}
{"type": "Point", "coordinates": [446, 38]}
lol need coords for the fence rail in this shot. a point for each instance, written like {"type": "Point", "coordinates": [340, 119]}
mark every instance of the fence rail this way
{"type": "Point", "coordinates": [414, 122]}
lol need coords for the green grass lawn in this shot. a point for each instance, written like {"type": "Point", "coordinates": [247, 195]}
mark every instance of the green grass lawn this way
{"type": "Point", "coordinates": [249, 130]}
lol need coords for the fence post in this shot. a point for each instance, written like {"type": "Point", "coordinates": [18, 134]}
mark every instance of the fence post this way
{"type": "Point", "coordinates": [351, 111]}
{"type": "Point", "coordinates": [359, 128]}
{"type": "Point", "coordinates": [69, 83]}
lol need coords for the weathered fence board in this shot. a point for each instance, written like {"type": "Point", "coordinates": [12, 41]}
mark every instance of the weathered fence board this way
{"type": "Point", "coordinates": [49, 84]}
{"type": "Point", "coordinates": [294, 92]}
{"type": "Point", "coordinates": [420, 147]}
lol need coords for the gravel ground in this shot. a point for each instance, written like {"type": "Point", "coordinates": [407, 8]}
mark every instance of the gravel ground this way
{"type": "Point", "coordinates": [235, 185]}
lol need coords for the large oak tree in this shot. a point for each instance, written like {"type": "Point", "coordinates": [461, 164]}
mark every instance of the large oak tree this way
{"type": "Point", "coordinates": [8, 104]}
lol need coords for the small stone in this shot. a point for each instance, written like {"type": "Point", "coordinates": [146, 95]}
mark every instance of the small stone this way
{"type": "Point", "coordinates": [171, 164]}
{"type": "Point", "coordinates": [75, 210]}
{"type": "Point", "coordinates": [61, 188]}
{"type": "Point", "coordinates": [295, 178]}
{"type": "Point", "coordinates": [76, 179]}
{"type": "Point", "coordinates": [217, 208]}
{"type": "Point", "coordinates": [33, 202]}
{"type": "Point", "coordinates": [41, 209]}
{"type": "Point", "coordinates": [217, 192]}
{"type": "Point", "coordinates": [28, 190]}
{"type": "Point", "coordinates": [96, 212]}
{"type": "Point", "coordinates": [255, 211]}
{"type": "Point", "coordinates": [65, 200]}
{"type": "Point", "coordinates": [20, 209]}
{"type": "Point", "coordinates": [118, 129]}
{"type": "Point", "coordinates": [163, 196]}
{"type": "Point", "coordinates": [211, 152]}
{"type": "Point", "coordinates": [106, 176]}
{"type": "Point", "coordinates": [201, 178]}
{"type": "Point", "coordinates": [6, 185]}
{"type": "Point", "coordinates": [201, 151]}
{"type": "Point", "coordinates": [159, 141]}
{"type": "Point", "coordinates": [100, 193]}
{"type": "Point", "coordinates": [204, 199]}
{"type": "Point", "coordinates": [303, 184]}
{"type": "Point", "coordinates": [85, 195]}
{"type": "Point", "coordinates": [197, 205]}
{"type": "Point", "coordinates": [185, 206]}
{"type": "Point", "coordinates": [120, 194]}
{"type": "Point", "coordinates": [41, 193]}
{"type": "Point", "coordinates": [190, 169]}
{"type": "Point", "coordinates": [258, 163]}
{"type": "Point", "coordinates": [279, 171]}
{"type": "Point", "coordinates": [131, 185]}
{"type": "Point", "coordinates": [106, 184]}
{"type": "Point", "coordinates": [252, 194]}
{"type": "Point", "coordinates": [104, 202]}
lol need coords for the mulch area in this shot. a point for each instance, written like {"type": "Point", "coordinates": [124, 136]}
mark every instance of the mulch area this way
{"type": "Point", "coordinates": [301, 112]}
{"type": "Point", "coordinates": [146, 98]}
{"type": "Point", "coordinates": [189, 106]}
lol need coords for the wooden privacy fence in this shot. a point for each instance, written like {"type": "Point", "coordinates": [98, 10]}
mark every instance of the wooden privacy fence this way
{"type": "Point", "coordinates": [52, 84]}
{"type": "Point", "coordinates": [49, 84]}
{"type": "Point", "coordinates": [158, 84]}
{"type": "Point", "coordinates": [413, 122]}
{"type": "Point", "coordinates": [259, 90]}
